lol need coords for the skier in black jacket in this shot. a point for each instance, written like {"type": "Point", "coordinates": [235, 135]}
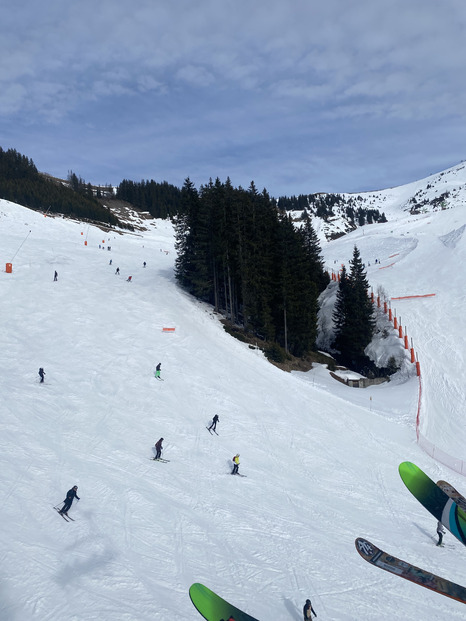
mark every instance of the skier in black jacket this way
{"type": "Point", "coordinates": [214, 423]}
{"type": "Point", "coordinates": [308, 610]}
{"type": "Point", "coordinates": [159, 447]}
{"type": "Point", "coordinates": [70, 496]}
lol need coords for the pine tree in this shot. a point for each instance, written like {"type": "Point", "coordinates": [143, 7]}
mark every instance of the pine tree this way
{"type": "Point", "coordinates": [296, 294]}
{"type": "Point", "coordinates": [185, 234]}
{"type": "Point", "coordinates": [314, 253]}
{"type": "Point", "coordinates": [353, 314]}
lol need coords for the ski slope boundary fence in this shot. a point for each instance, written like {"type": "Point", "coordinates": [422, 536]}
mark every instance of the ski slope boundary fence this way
{"type": "Point", "coordinates": [458, 465]}
{"type": "Point", "coordinates": [454, 463]}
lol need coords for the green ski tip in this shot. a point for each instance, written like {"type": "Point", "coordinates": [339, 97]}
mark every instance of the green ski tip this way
{"type": "Point", "coordinates": [434, 499]}
{"type": "Point", "coordinates": [212, 607]}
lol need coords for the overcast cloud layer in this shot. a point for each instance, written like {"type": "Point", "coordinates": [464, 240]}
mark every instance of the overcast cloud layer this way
{"type": "Point", "coordinates": [299, 96]}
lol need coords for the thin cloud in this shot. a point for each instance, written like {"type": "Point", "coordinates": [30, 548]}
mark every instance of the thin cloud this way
{"type": "Point", "coordinates": [207, 73]}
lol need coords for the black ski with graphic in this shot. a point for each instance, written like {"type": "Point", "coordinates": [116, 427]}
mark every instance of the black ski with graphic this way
{"type": "Point", "coordinates": [453, 494]}
{"type": "Point", "coordinates": [377, 557]}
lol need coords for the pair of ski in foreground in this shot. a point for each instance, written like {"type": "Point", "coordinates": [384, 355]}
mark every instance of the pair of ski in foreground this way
{"type": "Point", "coordinates": [442, 500]}
{"type": "Point", "coordinates": [448, 506]}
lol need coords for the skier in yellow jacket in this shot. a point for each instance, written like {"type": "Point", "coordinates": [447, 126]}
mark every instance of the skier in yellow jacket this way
{"type": "Point", "coordinates": [235, 464]}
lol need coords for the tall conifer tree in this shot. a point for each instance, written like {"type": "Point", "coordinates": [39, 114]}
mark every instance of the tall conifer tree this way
{"type": "Point", "coordinates": [353, 314]}
{"type": "Point", "coordinates": [314, 252]}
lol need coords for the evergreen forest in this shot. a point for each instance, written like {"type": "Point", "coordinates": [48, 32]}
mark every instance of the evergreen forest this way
{"type": "Point", "coordinates": [327, 206]}
{"type": "Point", "coordinates": [240, 253]}
{"type": "Point", "coordinates": [161, 200]}
{"type": "Point", "coordinates": [21, 182]}
{"type": "Point", "coordinates": [238, 250]}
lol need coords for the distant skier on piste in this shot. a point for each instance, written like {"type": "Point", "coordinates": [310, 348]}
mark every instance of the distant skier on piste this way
{"type": "Point", "coordinates": [70, 496]}
{"type": "Point", "coordinates": [42, 375]}
{"type": "Point", "coordinates": [214, 423]}
{"type": "Point", "coordinates": [440, 532]}
{"type": "Point", "coordinates": [157, 370]}
{"type": "Point", "coordinates": [235, 461]}
{"type": "Point", "coordinates": [158, 447]}
{"type": "Point", "coordinates": [308, 610]}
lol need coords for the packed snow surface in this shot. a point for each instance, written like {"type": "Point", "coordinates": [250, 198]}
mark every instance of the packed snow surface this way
{"type": "Point", "coordinates": [321, 458]}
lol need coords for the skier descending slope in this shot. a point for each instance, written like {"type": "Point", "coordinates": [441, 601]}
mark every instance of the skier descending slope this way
{"type": "Point", "coordinates": [158, 448]}
{"type": "Point", "coordinates": [214, 423]}
{"type": "Point", "coordinates": [308, 610]}
{"type": "Point", "coordinates": [70, 496]}
{"type": "Point", "coordinates": [440, 532]}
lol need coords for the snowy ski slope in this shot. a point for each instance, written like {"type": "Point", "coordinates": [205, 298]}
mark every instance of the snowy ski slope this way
{"type": "Point", "coordinates": [321, 459]}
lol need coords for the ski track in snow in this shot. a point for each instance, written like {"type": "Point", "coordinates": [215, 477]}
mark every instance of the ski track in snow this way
{"type": "Point", "coordinates": [321, 459]}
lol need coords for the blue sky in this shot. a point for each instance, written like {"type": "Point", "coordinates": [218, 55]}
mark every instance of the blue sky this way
{"type": "Point", "coordinates": [299, 96]}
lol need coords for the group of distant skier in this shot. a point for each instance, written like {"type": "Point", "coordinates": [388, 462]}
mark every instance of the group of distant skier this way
{"type": "Point", "coordinates": [235, 459]}
{"type": "Point", "coordinates": [72, 493]}
{"type": "Point", "coordinates": [117, 272]}
{"type": "Point", "coordinates": [212, 427]}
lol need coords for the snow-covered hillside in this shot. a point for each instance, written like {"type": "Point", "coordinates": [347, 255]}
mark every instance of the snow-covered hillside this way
{"type": "Point", "coordinates": [441, 191]}
{"type": "Point", "coordinates": [321, 459]}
